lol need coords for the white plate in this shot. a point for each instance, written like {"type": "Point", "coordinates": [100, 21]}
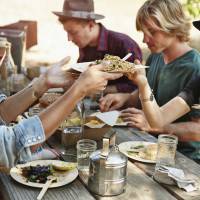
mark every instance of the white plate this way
{"type": "Point", "coordinates": [63, 177]}
{"type": "Point", "coordinates": [126, 146]}
{"type": "Point", "coordinates": [80, 67]}
{"type": "Point", "coordinates": [196, 106]}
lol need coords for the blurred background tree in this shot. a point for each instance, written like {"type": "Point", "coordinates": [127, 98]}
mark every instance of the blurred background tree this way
{"type": "Point", "coordinates": [192, 7]}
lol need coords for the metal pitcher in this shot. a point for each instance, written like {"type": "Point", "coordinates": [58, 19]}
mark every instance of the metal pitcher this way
{"type": "Point", "coordinates": [107, 172]}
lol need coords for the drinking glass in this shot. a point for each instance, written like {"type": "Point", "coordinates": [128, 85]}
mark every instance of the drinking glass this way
{"type": "Point", "coordinates": [69, 138]}
{"type": "Point", "coordinates": [85, 148]}
{"type": "Point", "coordinates": [73, 132]}
{"type": "Point", "coordinates": [80, 107]}
{"type": "Point", "coordinates": [165, 157]}
{"type": "Point", "coordinates": [166, 150]}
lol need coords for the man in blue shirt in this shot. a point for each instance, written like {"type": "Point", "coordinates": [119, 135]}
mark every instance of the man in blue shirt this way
{"type": "Point", "coordinates": [15, 141]}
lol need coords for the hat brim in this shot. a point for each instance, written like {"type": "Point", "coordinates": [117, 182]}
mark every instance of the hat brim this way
{"type": "Point", "coordinates": [87, 17]}
{"type": "Point", "coordinates": [197, 24]}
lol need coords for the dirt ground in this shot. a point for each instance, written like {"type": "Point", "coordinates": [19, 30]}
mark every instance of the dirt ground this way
{"type": "Point", "coordinates": [53, 44]}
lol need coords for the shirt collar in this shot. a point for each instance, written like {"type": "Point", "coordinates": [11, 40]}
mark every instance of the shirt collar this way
{"type": "Point", "coordinates": [103, 39]}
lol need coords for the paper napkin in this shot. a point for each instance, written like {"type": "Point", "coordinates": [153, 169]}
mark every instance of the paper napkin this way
{"type": "Point", "coordinates": [179, 178]}
{"type": "Point", "coordinates": [109, 118]}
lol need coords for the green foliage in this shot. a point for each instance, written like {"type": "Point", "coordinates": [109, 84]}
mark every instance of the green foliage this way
{"type": "Point", "coordinates": [192, 7]}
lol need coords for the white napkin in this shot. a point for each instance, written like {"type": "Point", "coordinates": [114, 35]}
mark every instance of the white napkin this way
{"type": "Point", "coordinates": [109, 118]}
{"type": "Point", "coordinates": [179, 177]}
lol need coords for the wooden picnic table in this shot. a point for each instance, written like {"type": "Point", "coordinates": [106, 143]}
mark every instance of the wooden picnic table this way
{"type": "Point", "coordinates": [140, 184]}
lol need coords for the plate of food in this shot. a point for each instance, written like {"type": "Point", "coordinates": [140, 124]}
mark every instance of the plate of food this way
{"type": "Point", "coordinates": [112, 64]}
{"type": "Point", "coordinates": [76, 121]}
{"type": "Point", "coordinates": [111, 118]}
{"type": "Point", "coordinates": [36, 173]}
{"type": "Point", "coordinates": [90, 121]}
{"type": "Point", "coordinates": [93, 122]}
{"type": "Point", "coordinates": [140, 150]}
{"type": "Point", "coordinates": [115, 64]}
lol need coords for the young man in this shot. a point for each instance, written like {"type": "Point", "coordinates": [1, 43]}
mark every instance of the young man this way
{"type": "Point", "coordinates": [94, 40]}
{"type": "Point", "coordinates": [159, 117]}
{"type": "Point", "coordinates": [172, 63]}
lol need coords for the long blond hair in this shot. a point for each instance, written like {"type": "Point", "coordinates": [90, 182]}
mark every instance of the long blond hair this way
{"type": "Point", "coordinates": [168, 16]}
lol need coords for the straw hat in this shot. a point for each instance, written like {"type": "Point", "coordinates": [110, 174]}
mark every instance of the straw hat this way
{"type": "Point", "coordinates": [81, 9]}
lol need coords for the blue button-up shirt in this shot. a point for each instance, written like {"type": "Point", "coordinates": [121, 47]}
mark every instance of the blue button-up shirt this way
{"type": "Point", "coordinates": [113, 43]}
{"type": "Point", "coordinates": [16, 140]}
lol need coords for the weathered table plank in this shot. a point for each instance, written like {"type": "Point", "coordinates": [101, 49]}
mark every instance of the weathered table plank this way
{"type": "Point", "coordinates": [11, 190]}
{"type": "Point", "coordinates": [139, 187]}
{"type": "Point", "coordinates": [191, 168]}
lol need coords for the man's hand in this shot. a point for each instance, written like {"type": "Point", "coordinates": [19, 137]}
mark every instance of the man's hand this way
{"type": "Point", "coordinates": [94, 79]}
{"type": "Point", "coordinates": [113, 101]}
{"type": "Point", "coordinates": [57, 76]}
{"type": "Point", "coordinates": [135, 118]}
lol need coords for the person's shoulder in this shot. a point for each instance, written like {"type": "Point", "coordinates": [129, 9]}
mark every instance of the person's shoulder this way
{"type": "Point", "coordinates": [118, 36]}
{"type": "Point", "coordinates": [191, 60]}
{"type": "Point", "coordinates": [192, 55]}
{"type": "Point", "coordinates": [154, 57]}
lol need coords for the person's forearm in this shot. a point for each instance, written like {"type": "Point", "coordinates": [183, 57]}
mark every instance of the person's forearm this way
{"type": "Point", "coordinates": [185, 131]}
{"type": "Point", "coordinates": [133, 99]}
{"type": "Point", "coordinates": [150, 108]}
{"type": "Point", "coordinates": [59, 110]}
{"type": "Point", "coordinates": [18, 103]}
{"type": "Point", "coordinates": [156, 116]}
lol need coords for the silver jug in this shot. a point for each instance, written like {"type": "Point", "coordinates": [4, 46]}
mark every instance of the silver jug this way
{"type": "Point", "coordinates": [107, 171]}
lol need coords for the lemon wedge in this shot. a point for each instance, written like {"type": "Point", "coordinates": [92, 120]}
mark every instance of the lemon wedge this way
{"type": "Point", "coordinates": [64, 166]}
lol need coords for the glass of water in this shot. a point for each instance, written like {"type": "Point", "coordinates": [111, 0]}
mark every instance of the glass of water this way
{"type": "Point", "coordinates": [69, 138]}
{"type": "Point", "coordinates": [166, 150]}
{"type": "Point", "coordinates": [85, 148]}
{"type": "Point", "coordinates": [167, 145]}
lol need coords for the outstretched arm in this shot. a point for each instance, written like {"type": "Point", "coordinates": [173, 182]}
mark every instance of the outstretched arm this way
{"type": "Point", "coordinates": [18, 103]}
{"type": "Point", "coordinates": [58, 111]}
{"type": "Point", "coordinates": [14, 141]}
{"type": "Point", "coordinates": [185, 131]}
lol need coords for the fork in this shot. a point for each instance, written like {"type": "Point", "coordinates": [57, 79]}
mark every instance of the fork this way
{"type": "Point", "coordinates": [45, 187]}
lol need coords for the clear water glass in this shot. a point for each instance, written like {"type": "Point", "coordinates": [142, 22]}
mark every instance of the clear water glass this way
{"type": "Point", "coordinates": [69, 138]}
{"type": "Point", "coordinates": [85, 148]}
{"type": "Point", "coordinates": [166, 150]}
{"type": "Point", "coordinates": [167, 145]}
{"type": "Point", "coordinates": [80, 107]}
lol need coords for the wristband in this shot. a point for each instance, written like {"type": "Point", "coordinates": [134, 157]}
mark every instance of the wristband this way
{"type": "Point", "coordinates": [150, 98]}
